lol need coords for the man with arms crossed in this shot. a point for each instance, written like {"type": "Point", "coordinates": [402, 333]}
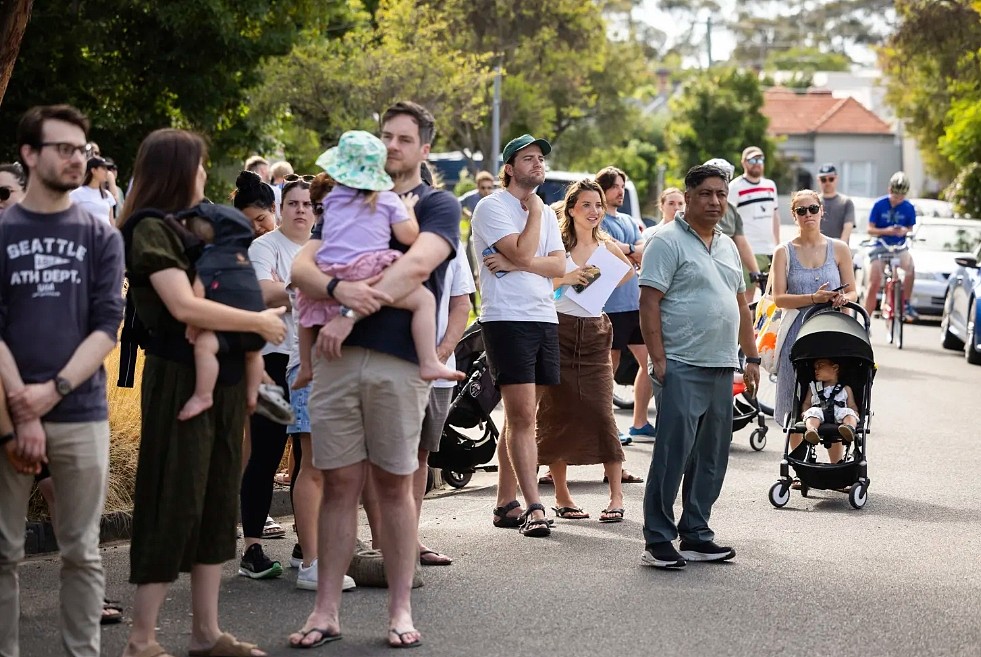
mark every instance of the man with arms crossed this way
{"type": "Point", "coordinates": [693, 313]}
{"type": "Point", "coordinates": [755, 199]}
{"type": "Point", "coordinates": [518, 237]}
{"type": "Point", "coordinates": [367, 402]}
{"type": "Point", "coordinates": [61, 303]}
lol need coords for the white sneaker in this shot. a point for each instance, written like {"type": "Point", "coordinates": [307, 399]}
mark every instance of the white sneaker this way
{"type": "Point", "coordinates": [306, 579]}
{"type": "Point", "coordinates": [272, 529]}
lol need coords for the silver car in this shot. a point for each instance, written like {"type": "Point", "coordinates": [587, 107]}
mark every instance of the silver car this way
{"type": "Point", "coordinates": [935, 244]}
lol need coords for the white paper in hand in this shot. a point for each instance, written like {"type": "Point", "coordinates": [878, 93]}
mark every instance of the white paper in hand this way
{"type": "Point", "coordinates": [612, 269]}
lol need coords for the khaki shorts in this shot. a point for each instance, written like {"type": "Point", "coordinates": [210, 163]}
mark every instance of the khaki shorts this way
{"type": "Point", "coordinates": [366, 405]}
{"type": "Point", "coordinates": [436, 412]}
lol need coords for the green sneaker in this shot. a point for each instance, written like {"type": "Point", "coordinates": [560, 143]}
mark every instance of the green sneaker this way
{"type": "Point", "coordinates": [256, 565]}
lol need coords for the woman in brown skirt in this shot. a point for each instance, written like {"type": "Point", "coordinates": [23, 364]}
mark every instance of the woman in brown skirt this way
{"type": "Point", "coordinates": [187, 479]}
{"type": "Point", "coordinates": [575, 418]}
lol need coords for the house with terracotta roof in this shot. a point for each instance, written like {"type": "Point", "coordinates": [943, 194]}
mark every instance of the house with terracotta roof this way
{"type": "Point", "coordinates": [815, 127]}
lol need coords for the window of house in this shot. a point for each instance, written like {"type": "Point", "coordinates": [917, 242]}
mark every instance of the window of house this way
{"type": "Point", "coordinates": [858, 179]}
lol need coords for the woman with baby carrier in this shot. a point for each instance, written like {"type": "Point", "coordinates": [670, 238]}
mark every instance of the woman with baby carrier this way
{"type": "Point", "coordinates": [185, 505]}
{"type": "Point", "coordinates": [807, 270]}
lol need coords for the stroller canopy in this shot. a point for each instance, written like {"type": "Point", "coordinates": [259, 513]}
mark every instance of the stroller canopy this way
{"type": "Point", "coordinates": [832, 334]}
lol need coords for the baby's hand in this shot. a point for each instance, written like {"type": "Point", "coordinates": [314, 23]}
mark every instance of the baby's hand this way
{"type": "Point", "coordinates": [409, 200]}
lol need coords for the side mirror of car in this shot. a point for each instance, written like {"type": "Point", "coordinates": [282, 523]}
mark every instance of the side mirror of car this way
{"type": "Point", "coordinates": [967, 261]}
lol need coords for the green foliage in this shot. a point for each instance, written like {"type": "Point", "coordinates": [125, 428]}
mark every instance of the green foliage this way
{"type": "Point", "coordinates": [931, 65]}
{"type": "Point", "coordinates": [807, 60]}
{"type": "Point", "coordinates": [134, 66]}
{"type": "Point", "coordinates": [965, 191]}
{"type": "Point", "coordinates": [717, 114]}
{"type": "Point", "coordinates": [338, 84]}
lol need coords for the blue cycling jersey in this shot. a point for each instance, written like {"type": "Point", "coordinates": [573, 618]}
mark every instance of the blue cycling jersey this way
{"type": "Point", "coordinates": [884, 215]}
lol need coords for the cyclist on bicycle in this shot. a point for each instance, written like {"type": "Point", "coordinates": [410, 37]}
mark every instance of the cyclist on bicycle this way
{"type": "Point", "coordinates": [891, 221]}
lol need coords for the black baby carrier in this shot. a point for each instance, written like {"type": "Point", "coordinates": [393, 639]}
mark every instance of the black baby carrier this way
{"type": "Point", "coordinates": [829, 333]}
{"type": "Point", "coordinates": [474, 399]}
{"type": "Point", "coordinates": [224, 269]}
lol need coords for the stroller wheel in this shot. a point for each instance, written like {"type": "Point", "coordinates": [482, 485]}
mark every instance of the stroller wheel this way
{"type": "Point", "coordinates": [858, 495]}
{"type": "Point", "coordinates": [780, 494]}
{"type": "Point", "coordinates": [757, 439]}
{"type": "Point", "coordinates": [457, 479]}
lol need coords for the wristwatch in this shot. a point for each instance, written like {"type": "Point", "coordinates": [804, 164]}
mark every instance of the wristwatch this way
{"type": "Point", "coordinates": [755, 360]}
{"type": "Point", "coordinates": [63, 386]}
{"type": "Point", "coordinates": [349, 313]}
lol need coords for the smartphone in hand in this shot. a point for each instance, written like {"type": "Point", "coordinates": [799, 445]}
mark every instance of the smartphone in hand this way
{"type": "Point", "coordinates": [490, 250]}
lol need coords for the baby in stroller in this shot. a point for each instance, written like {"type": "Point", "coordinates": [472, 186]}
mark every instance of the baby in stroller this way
{"type": "Point", "coordinates": [828, 401]}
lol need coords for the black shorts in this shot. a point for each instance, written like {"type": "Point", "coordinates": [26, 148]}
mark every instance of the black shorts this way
{"type": "Point", "coordinates": [522, 352]}
{"type": "Point", "coordinates": [626, 328]}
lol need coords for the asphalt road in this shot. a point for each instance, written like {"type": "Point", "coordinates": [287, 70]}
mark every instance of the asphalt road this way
{"type": "Point", "coordinates": [901, 577]}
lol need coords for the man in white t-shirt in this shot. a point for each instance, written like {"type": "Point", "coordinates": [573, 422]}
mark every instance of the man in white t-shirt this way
{"type": "Point", "coordinates": [518, 237]}
{"type": "Point", "coordinates": [451, 321]}
{"type": "Point", "coordinates": [755, 199]}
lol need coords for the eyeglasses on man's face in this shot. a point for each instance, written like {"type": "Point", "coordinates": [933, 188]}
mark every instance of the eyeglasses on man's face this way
{"type": "Point", "coordinates": [814, 208]}
{"type": "Point", "coordinates": [827, 179]}
{"type": "Point", "coordinates": [65, 149]}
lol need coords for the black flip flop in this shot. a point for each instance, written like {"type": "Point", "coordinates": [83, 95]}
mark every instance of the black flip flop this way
{"type": "Point", "coordinates": [326, 636]}
{"type": "Point", "coordinates": [617, 515]}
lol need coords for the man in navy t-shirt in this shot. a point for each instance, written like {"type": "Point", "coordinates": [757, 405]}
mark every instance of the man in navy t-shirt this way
{"type": "Point", "coordinates": [891, 220]}
{"type": "Point", "coordinates": [368, 401]}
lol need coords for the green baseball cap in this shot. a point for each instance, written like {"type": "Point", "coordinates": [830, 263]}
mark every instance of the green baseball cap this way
{"type": "Point", "coordinates": [524, 141]}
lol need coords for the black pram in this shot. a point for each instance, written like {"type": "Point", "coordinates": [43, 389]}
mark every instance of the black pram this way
{"type": "Point", "coordinates": [829, 333]}
{"type": "Point", "coordinates": [474, 399]}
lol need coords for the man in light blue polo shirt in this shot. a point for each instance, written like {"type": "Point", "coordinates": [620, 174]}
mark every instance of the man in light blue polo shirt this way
{"type": "Point", "coordinates": [623, 306]}
{"type": "Point", "coordinates": [693, 314]}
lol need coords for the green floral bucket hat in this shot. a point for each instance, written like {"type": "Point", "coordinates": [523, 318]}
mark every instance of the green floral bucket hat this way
{"type": "Point", "coordinates": [358, 161]}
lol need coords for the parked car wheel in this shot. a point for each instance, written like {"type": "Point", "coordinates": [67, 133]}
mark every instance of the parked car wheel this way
{"type": "Point", "coordinates": [971, 352]}
{"type": "Point", "coordinates": [948, 340]}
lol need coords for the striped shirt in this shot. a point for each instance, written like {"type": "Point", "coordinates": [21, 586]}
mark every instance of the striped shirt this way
{"type": "Point", "coordinates": [755, 202]}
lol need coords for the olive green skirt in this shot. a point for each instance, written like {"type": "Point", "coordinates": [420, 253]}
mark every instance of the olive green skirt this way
{"type": "Point", "coordinates": [188, 476]}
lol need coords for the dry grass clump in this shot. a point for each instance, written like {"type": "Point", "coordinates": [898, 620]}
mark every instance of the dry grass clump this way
{"type": "Point", "coordinates": [124, 441]}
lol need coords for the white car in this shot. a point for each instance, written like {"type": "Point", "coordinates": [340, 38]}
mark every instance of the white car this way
{"type": "Point", "coordinates": [934, 244]}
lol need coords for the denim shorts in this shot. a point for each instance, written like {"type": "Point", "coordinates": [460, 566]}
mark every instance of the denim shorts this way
{"type": "Point", "coordinates": [298, 400]}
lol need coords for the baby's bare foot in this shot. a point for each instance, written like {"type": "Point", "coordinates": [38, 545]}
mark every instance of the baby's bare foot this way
{"type": "Point", "coordinates": [433, 372]}
{"type": "Point", "coordinates": [196, 405]}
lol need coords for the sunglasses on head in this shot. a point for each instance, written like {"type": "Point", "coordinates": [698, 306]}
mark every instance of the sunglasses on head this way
{"type": "Point", "coordinates": [813, 208]}
{"type": "Point", "coordinates": [292, 177]}
{"type": "Point", "coordinates": [827, 178]}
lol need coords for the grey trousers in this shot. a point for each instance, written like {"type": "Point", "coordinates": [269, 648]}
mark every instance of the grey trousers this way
{"type": "Point", "coordinates": [78, 457]}
{"type": "Point", "coordinates": [694, 429]}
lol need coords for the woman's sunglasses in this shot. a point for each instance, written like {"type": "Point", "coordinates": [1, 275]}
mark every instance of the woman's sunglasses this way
{"type": "Point", "coordinates": [814, 208]}
{"type": "Point", "coordinates": [5, 193]}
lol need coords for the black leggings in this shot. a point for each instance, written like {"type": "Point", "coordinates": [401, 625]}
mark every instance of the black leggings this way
{"type": "Point", "coordinates": [268, 441]}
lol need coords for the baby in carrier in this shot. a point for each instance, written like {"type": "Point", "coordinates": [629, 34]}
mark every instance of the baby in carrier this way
{"type": "Point", "coordinates": [829, 402]}
{"type": "Point", "coordinates": [208, 344]}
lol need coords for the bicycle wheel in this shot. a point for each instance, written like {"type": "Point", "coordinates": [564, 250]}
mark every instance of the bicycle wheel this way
{"type": "Point", "coordinates": [898, 313]}
{"type": "Point", "coordinates": [888, 313]}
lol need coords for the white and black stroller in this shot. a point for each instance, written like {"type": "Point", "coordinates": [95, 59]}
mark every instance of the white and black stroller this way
{"type": "Point", "coordinates": [474, 399]}
{"type": "Point", "coordinates": [829, 333]}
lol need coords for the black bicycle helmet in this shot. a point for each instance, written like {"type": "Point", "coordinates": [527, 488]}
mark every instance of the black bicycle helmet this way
{"type": "Point", "coordinates": [899, 183]}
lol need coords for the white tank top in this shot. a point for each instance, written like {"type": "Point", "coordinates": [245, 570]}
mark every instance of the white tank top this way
{"type": "Point", "coordinates": [565, 305]}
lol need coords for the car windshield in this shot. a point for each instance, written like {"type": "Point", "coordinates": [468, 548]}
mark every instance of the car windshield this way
{"type": "Point", "coordinates": [947, 237]}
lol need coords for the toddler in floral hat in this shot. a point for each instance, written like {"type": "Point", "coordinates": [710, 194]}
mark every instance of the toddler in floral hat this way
{"type": "Point", "coordinates": [360, 217]}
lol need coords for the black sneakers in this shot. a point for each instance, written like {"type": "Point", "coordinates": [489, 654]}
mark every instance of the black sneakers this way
{"type": "Point", "coordinates": [256, 565]}
{"type": "Point", "coordinates": [662, 555]}
{"type": "Point", "coordinates": [706, 551]}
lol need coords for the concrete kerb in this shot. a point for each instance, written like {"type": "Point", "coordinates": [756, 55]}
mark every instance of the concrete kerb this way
{"type": "Point", "coordinates": [118, 526]}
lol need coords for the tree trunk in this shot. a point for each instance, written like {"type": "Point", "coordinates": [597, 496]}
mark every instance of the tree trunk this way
{"type": "Point", "coordinates": [14, 15]}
